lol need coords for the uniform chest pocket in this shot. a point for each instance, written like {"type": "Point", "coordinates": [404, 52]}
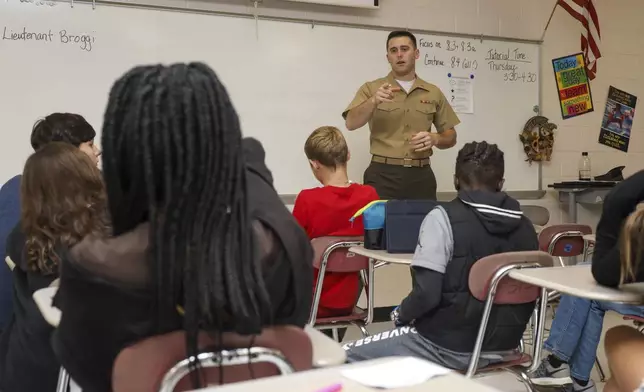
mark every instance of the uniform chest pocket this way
{"type": "Point", "coordinates": [422, 116]}
{"type": "Point", "coordinates": [426, 108]}
{"type": "Point", "coordinates": [389, 106]}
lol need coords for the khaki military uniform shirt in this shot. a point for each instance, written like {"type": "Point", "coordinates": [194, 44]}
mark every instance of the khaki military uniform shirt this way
{"type": "Point", "coordinates": [395, 123]}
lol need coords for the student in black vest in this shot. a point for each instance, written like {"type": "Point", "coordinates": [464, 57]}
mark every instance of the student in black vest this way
{"type": "Point", "coordinates": [439, 319]}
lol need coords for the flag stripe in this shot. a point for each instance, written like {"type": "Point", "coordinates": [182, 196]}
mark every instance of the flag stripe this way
{"type": "Point", "coordinates": [593, 15]}
{"type": "Point", "coordinates": [584, 11]}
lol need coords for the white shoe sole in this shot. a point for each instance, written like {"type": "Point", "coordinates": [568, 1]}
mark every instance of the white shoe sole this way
{"type": "Point", "coordinates": [547, 381]}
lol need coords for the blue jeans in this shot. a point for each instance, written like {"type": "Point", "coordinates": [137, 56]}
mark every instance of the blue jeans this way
{"type": "Point", "coordinates": [577, 328]}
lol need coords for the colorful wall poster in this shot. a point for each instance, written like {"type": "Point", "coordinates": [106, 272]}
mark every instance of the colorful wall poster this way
{"type": "Point", "coordinates": [618, 119]}
{"type": "Point", "coordinates": [575, 97]}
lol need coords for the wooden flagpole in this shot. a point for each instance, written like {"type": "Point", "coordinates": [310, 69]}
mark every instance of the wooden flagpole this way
{"type": "Point", "coordinates": [549, 20]}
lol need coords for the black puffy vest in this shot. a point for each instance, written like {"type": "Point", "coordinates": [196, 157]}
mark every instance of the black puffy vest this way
{"type": "Point", "coordinates": [455, 322]}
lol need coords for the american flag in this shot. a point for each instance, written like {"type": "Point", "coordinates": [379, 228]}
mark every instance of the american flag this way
{"type": "Point", "coordinates": [584, 11]}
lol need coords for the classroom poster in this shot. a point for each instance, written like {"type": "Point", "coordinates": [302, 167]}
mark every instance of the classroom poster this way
{"type": "Point", "coordinates": [618, 119]}
{"type": "Point", "coordinates": [462, 93]}
{"type": "Point", "coordinates": [575, 97]}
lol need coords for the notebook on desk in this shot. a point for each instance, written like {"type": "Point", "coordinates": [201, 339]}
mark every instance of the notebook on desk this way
{"type": "Point", "coordinates": [583, 184]}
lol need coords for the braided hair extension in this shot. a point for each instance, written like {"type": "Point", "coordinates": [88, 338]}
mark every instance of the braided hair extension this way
{"type": "Point", "coordinates": [480, 164]}
{"type": "Point", "coordinates": [173, 157]}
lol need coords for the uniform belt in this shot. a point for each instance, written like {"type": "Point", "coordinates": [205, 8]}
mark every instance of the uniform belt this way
{"type": "Point", "coordinates": [406, 162]}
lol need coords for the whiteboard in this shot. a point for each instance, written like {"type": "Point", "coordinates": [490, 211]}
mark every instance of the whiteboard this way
{"type": "Point", "coordinates": [285, 78]}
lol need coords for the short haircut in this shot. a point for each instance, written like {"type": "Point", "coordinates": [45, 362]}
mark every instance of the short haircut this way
{"type": "Point", "coordinates": [327, 146]}
{"type": "Point", "coordinates": [401, 33]}
{"type": "Point", "coordinates": [62, 127]}
{"type": "Point", "coordinates": [480, 164]}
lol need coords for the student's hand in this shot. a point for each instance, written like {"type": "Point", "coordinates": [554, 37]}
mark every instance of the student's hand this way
{"type": "Point", "coordinates": [385, 93]}
{"type": "Point", "coordinates": [423, 141]}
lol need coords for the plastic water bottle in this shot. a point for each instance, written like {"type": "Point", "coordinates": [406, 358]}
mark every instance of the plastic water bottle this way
{"type": "Point", "coordinates": [584, 167]}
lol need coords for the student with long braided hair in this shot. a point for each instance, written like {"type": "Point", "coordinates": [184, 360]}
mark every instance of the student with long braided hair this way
{"type": "Point", "coordinates": [201, 240]}
{"type": "Point", "coordinates": [439, 319]}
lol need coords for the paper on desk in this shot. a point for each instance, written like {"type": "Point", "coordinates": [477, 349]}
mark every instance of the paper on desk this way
{"type": "Point", "coordinates": [397, 373]}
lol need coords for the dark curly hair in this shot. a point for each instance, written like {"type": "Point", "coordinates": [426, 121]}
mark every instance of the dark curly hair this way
{"type": "Point", "coordinates": [480, 165]}
{"type": "Point", "coordinates": [62, 127]}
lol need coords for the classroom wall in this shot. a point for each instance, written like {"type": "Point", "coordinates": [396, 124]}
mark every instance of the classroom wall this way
{"type": "Point", "coordinates": [509, 18]}
{"type": "Point", "coordinates": [622, 60]}
{"type": "Point", "coordinates": [621, 66]}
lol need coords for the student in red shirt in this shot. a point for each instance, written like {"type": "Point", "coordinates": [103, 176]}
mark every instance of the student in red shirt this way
{"type": "Point", "coordinates": [325, 211]}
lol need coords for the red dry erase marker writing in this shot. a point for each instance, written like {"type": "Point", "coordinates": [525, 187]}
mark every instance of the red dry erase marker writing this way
{"type": "Point", "coordinates": [331, 388]}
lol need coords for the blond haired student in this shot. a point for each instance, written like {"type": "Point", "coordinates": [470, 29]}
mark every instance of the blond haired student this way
{"type": "Point", "coordinates": [327, 210]}
{"type": "Point", "coordinates": [577, 326]}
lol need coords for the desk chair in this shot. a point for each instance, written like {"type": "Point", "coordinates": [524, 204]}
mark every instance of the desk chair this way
{"type": "Point", "coordinates": [488, 282]}
{"type": "Point", "coordinates": [538, 215]}
{"type": "Point", "coordinates": [43, 299]}
{"type": "Point", "coordinates": [638, 322]}
{"type": "Point", "coordinates": [160, 363]}
{"type": "Point", "coordinates": [10, 263]}
{"type": "Point", "coordinates": [566, 240]}
{"type": "Point", "coordinates": [332, 255]}
{"type": "Point", "coordinates": [589, 245]}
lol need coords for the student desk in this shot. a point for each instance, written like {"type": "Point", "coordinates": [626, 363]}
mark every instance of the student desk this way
{"type": "Point", "coordinates": [577, 281]}
{"type": "Point", "coordinates": [326, 351]}
{"type": "Point", "coordinates": [382, 257]}
{"type": "Point", "coordinates": [573, 195]}
{"type": "Point", "coordinates": [314, 380]}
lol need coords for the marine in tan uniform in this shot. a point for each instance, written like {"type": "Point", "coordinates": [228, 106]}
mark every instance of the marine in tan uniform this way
{"type": "Point", "coordinates": [400, 110]}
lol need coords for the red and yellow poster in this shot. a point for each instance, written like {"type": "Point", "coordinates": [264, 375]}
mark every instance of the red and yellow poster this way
{"type": "Point", "coordinates": [575, 97]}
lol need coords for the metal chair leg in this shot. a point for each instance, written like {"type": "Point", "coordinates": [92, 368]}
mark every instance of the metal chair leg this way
{"type": "Point", "coordinates": [63, 381]}
{"type": "Point", "coordinates": [336, 337]}
{"type": "Point", "coordinates": [363, 329]}
{"type": "Point", "coordinates": [600, 370]}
